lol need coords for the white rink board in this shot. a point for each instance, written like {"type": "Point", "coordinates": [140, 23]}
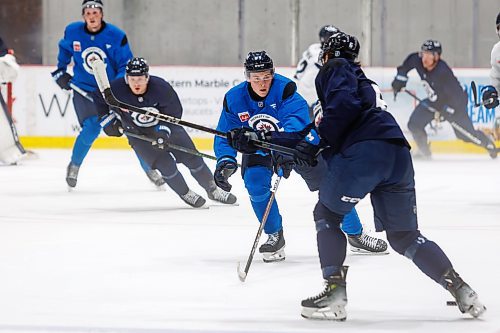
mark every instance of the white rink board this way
{"type": "Point", "coordinates": [42, 109]}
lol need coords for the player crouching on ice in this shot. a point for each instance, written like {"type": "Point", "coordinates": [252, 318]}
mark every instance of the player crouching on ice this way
{"type": "Point", "coordinates": [269, 102]}
{"type": "Point", "coordinates": [154, 93]}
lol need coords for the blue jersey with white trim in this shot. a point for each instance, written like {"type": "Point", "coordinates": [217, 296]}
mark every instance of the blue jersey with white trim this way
{"type": "Point", "coordinates": [283, 109]}
{"type": "Point", "coordinates": [108, 44]}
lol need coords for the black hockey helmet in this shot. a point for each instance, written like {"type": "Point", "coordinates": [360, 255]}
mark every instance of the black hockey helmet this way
{"type": "Point", "coordinates": [326, 31]}
{"type": "Point", "coordinates": [92, 4]}
{"type": "Point", "coordinates": [431, 46]}
{"type": "Point", "coordinates": [498, 24]}
{"type": "Point", "coordinates": [258, 62]}
{"type": "Point", "coordinates": [340, 45]}
{"type": "Point", "coordinates": [137, 67]}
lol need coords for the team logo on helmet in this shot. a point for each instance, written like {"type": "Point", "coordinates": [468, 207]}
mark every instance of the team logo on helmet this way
{"type": "Point", "coordinates": [142, 120]}
{"type": "Point", "coordinates": [89, 55]}
{"type": "Point", "coordinates": [264, 122]}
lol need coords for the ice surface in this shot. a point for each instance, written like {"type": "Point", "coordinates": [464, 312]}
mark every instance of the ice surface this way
{"type": "Point", "coordinates": [116, 255]}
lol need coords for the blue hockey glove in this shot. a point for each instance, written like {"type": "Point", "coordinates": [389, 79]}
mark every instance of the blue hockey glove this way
{"type": "Point", "coordinates": [398, 84]}
{"type": "Point", "coordinates": [62, 78]}
{"type": "Point", "coordinates": [242, 139]}
{"type": "Point", "coordinates": [162, 134]}
{"type": "Point", "coordinates": [224, 169]}
{"type": "Point", "coordinates": [490, 97]}
{"type": "Point", "coordinates": [283, 162]}
{"type": "Point", "coordinates": [307, 149]}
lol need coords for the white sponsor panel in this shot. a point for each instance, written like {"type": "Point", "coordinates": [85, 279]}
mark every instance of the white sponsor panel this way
{"type": "Point", "coordinates": [42, 109]}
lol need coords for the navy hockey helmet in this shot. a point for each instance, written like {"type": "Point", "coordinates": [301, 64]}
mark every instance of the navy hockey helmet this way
{"type": "Point", "coordinates": [137, 67]}
{"type": "Point", "coordinates": [92, 4]}
{"type": "Point", "coordinates": [498, 24]}
{"type": "Point", "coordinates": [431, 46]}
{"type": "Point", "coordinates": [258, 62]}
{"type": "Point", "coordinates": [341, 45]}
{"type": "Point", "coordinates": [326, 31]}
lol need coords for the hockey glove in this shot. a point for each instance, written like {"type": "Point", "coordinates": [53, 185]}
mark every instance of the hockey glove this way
{"type": "Point", "coordinates": [308, 149]}
{"type": "Point", "coordinates": [490, 97]}
{"type": "Point", "coordinates": [447, 113]}
{"type": "Point", "coordinates": [283, 162]}
{"type": "Point", "coordinates": [398, 84]}
{"type": "Point", "coordinates": [226, 166]}
{"type": "Point", "coordinates": [242, 139]}
{"type": "Point", "coordinates": [62, 78]}
{"type": "Point", "coordinates": [114, 128]}
{"type": "Point", "coordinates": [162, 134]}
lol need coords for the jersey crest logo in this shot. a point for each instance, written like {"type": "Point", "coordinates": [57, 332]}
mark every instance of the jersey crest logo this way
{"type": "Point", "coordinates": [90, 54]}
{"type": "Point", "coordinates": [143, 120]}
{"type": "Point", "coordinates": [244, 116]}
{"type": "Point", "coordinates": [77, 47]}
{"type": "Point", "coordinates": [264, 122]}
{"type": "Point", "coordinates": [431, 94]}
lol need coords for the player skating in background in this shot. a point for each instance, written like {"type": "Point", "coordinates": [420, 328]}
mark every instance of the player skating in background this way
{"type": "Point", "coordinates": [269, 102]}
{"type": "Point", "coordinates": [154, 93]}
{"type": "Point", "coordinates": [83, 42]}
{"type": "Point", "coordinates": [445, 94]}
{"type": "Point", "coordinates": [308, 67]}
{"type": "Point", "coordinates": [366, 153]}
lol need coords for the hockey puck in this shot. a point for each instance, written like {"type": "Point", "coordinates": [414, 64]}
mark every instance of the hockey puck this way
{"type": "Point", "coordinates": [451, 303]}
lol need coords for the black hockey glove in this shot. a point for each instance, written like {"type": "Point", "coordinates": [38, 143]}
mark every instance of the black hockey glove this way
{"type": "Point", "coordinates": [162, 135]}
{"type": "Point", "coordinates": [242, 139]}
{"type": "Point", "coordinates": [62, 78]}
{"type": "Point", "coordinates": [490, 97]}
{"type": "Point", "coordinates": [226, 166]}
{"type": "Point", "coordinates": [307, 150]}
{"type": "Point", "coordinates": [114, 128]}
{"type": "Point", "coordinates": [283, 162]}
{"type": "Point", "coordinates": [398, 83]}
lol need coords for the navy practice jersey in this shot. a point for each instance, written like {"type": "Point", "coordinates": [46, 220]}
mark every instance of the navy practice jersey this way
{"type": "Point", "coordinates": [108, 44]}
{"type": "Point", "coordinates": [353, 109]}
{"type": "Point", "coordinates": [159, 97]}
{"type": "Point", "coordinates": [440, 84]}
{"type": "Point", "coordinates": [283, 109]}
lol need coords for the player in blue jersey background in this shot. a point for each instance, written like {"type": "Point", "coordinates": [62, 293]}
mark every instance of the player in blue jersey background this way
{"type": "Point", "coordinates": [268, 102]}
{"type": "Point", "coordinates": [83, 42]}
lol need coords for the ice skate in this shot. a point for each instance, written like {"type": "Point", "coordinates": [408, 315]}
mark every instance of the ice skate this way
{"type": "Point", "coordinates": [155, 177]}
{"type": "Point", "coordinates": [217, 194]}
{"type": "Point", "coordinates": [274, 248]}
{"type": "Point", "coordinates": [72, 174]}
{"type": "Point", "coordinates": [193, 199]}
{"type": "Point", "coordinates": [365, 244]}
{"type": "Point", "coordinates": [466, 298]}
{"type": "Point", "coordinates": [330, 303]}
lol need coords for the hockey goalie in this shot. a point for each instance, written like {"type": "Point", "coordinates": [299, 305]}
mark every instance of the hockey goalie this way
{"type": "Point", "coordinates": [11, 149]}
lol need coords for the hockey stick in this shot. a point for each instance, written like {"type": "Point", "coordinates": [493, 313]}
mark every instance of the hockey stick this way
{"type": "Point", "coordinates": [12, 127]}
{"type": "Point", "coordinates": [81, 92]}
{"type": "Point", "coordinates": [242, 274]}
{"type": "Point", "coordinates": [474, 90]}
{"type": "Point", "coordinates": [105, 88]}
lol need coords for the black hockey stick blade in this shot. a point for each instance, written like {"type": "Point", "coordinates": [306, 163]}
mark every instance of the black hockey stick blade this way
{"type": "Point", "coordinates": [99, 69]}
{"type": "Point", "coordinates": [473, 88]}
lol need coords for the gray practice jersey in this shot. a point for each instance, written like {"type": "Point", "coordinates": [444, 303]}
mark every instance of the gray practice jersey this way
{"type": "Point", "coordinates": [307, 69]}
{"type": "Point", "coordinates": [495, 66]}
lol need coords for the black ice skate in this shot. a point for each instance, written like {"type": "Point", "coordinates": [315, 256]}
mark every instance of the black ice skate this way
{"type": "Point", "coordinates": [330, 303]}
{"type": "Point", "coordinates": [274, 248]}
{"type": "Point", "coordinates": [72, 174]}
{"type": "Point", "coordinates": [466, 298]}
{"type": "Point", "coordinates": [217, 194]}
{"type": "Point", "coordinates": [155, 177]}
{"type": "Point", "coordinates": [367, 244]}
{"type": "Point", "coordinates": [193, 199]}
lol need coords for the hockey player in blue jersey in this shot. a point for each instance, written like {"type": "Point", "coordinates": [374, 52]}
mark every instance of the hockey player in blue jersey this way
{"type": "Point", "coordinates": [155, 94]}
{"type": "Point", "coordinates": [366, 153]}
{"type": "Point", "coordinates": [83, 42]}
{"type": "Point", "coordinates": [269, 102]}
{"type": "Point", "coordinates": [445, 94]}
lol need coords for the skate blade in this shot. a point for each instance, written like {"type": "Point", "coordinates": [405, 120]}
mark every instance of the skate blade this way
{"type": "Point", "coordinates": [335, 313]}
{"type": "Point", "coordinates": [241, 273]}
{"type": "Point", "coordinates": [356, 250]}
{"type": "Point", "coordinates": [475, 311]}
{"type": "Point", "coordinates": [273, 257]}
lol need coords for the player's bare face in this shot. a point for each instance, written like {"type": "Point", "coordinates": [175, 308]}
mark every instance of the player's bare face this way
{"type": "Point", "coordinates": [138, 84]}
{"type": "Point", "coordinates": [429, 60]}
{"type": "Point", "coordinates": [260, 82]}
{"type": "Point", "coordinates": [93, 18]}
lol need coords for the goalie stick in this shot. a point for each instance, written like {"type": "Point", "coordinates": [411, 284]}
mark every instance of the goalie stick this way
{"type": "Point", "coordinates": [101, 77]}
{"type": "Point", "coordinates": [12, 127]}
{"type": "Point", "coordinates": [470, 136]}
{"type": "Point", "coordinates": [242, 274]}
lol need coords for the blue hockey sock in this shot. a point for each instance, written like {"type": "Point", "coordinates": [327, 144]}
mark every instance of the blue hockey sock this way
{"type": "Point", "coordinates": [351, 224]}
{"type": "Point", "coordinates": [90, 131]}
